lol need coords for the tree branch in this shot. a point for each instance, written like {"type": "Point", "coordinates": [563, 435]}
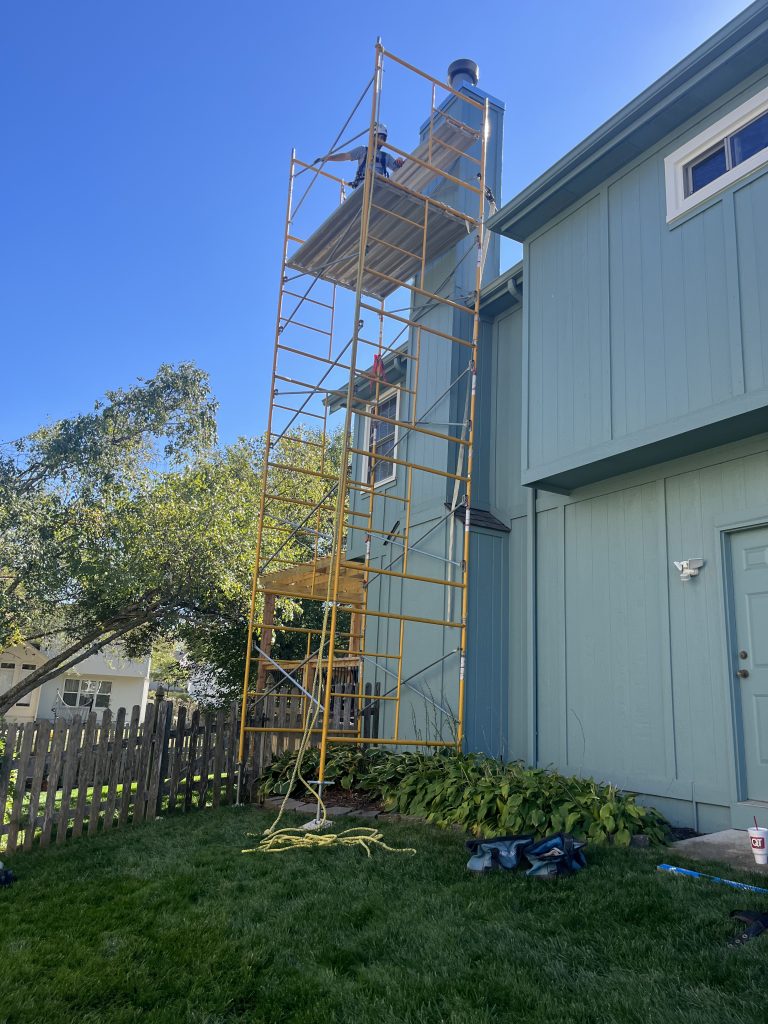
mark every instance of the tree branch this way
{"type": "Point", "coordinates": [92, 643]}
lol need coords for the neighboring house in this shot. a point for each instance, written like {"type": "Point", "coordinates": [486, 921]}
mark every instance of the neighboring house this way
{"type": "Point", "coordinates": [106, 680]}
{"type": "Point", "coordinates": [622, 427]}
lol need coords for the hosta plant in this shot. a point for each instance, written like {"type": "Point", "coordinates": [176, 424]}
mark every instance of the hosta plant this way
{"type": "Point", "coordinates": [479, 794]}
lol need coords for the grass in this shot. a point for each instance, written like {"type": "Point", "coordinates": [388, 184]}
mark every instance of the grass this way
{"type": "Point", "coordinates": [73, 799]}
{"type": "Point", "coordinates": [169, 922]}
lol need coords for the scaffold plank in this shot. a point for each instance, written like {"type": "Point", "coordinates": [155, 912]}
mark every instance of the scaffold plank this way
{"type": "Point", "coordinates": [331, 252]}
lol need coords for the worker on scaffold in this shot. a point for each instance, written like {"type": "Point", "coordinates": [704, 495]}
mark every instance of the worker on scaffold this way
{"type": "Point", "coordinates": [385, 162]}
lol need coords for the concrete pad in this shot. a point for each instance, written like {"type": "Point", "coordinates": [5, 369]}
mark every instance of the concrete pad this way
{"type": "Point", "coordinates": [729, 847]}
{"type": "Point", "coordinates": [337, 812]}
{"type": "Point", "coordinates": [300, 806]}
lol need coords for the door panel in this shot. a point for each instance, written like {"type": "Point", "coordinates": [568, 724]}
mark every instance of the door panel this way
{"type": "Point", "coordinates": [749, 587]}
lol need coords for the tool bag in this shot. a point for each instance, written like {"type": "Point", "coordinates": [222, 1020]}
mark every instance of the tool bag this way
{"type": "Point", "coordinates": [557, 855]}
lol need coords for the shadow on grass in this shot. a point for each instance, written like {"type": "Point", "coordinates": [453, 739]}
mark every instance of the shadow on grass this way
{"type": "Point", "coordinates": [173, 923]}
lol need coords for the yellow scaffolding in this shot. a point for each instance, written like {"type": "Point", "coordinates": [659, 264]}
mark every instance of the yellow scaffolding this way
{"type": "Point", "coordinates": [320, 496]}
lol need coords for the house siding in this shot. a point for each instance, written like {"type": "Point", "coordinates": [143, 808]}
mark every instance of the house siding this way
{"type": "Point", "coordinates": [634, 682]}
{"type": "Point", "coordinates": [639, 330]}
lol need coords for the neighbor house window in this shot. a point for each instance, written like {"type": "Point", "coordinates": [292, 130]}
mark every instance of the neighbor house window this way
{"type": "Point", "coordinates": [86, 693]}
{"type": "Point", "coordinates": [25, 702]}
{"type": "Point", "coordinates": [7, 672]}
{"type": "Point", "coordinates": [728, 150]}
{"type": "Point", "coordinates": [8, 679]}
{"type": "Point", "coordinates": [382, 438]}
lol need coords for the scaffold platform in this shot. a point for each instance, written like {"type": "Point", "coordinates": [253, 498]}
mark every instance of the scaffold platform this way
{"type": "Point", "coordinates": [406, 224]}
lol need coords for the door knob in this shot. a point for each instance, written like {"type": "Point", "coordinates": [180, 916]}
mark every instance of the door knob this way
{"type": "Point", "coordinates": [743, 673]}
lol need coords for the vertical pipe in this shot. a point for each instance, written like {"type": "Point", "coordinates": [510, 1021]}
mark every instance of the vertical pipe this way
{"type": "Point", "coordinates": [471, 435]}
{"type": "Point", "coordinates": [414, 385]}
{"type": "Point", "coordinates": [333, 577]}
{"type": "Point", "coordinates": [265, 469]}
{"type": "Point", "coordinates": [370, 483]}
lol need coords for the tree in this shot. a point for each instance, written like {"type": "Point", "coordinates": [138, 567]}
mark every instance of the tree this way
{"type": "Point", "coordinates": [128, 526]}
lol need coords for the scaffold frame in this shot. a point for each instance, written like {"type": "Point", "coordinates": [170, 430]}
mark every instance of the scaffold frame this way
{"type": "Point", "coordinates": [379, 241]}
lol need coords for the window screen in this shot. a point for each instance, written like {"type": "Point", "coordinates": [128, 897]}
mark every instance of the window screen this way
{"type": "Point", "coordinates": [381, 442]}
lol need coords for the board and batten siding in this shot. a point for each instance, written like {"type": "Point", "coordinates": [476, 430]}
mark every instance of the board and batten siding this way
{"type": "Point", "coordinates": [496, 705]}
{"type": "Point", "coordinates": [634, 678]}
{"type": "Point", "coordinates": [638, 331]}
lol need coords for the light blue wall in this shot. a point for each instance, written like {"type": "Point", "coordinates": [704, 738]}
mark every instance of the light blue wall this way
{"type": "Point", "coordinates": [495, 706]}
{"type": "Point", "coordinates": [637, 330]}
{"type": "Point", "coordinates": [629, 680]}
{"type": "Point", "coordinates": [488, 693]}
{"type": "Point", "coordinates": [634, 683]}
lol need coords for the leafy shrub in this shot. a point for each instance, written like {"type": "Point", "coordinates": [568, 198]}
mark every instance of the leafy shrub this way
{"type": "Point", "coordinates": [481, 795]}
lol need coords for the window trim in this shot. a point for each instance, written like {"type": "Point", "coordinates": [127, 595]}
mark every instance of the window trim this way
{"type": "Point", "coordinates": [369, 423]}
{"type": "Point", "coordinates": [677, 164]}
{"type": "Point", "coordinates": [20, 670]}
{"type": "Point", "coordinates": [79, 695]}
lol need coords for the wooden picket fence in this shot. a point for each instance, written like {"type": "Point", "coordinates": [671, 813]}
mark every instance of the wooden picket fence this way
{"type": "Point", "coordinates": [62, 780]}
{"type": "Point", "coordinates": [283, 707]}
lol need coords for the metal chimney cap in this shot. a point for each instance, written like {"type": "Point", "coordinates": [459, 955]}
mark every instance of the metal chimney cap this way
{"type": "Point", "coordinates": [463, 70]}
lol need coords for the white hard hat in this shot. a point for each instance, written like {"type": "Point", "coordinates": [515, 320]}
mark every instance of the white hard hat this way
{"type": "Point", "coordinates": [380, 129]}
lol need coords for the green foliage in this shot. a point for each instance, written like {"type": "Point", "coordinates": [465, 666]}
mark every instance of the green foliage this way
{"type": "Point", "coordinates": [481, 795]}
{"type": "Point", "coordinates": [127, 526]}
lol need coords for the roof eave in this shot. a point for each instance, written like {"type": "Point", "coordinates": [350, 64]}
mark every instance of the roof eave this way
{"type": "Point", "coordinates": [725, 59]}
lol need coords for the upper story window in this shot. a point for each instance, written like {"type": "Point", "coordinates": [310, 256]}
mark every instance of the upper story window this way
{"type": "Point", "coordinates": [728, 150]}
{"type": "Point", "coordinates": [382, 438]}
{"type": "Point", "coordinates": [732, 151]}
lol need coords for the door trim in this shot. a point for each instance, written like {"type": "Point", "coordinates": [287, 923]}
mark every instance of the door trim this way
{"type": "Point", "coordinates": [724, 531]}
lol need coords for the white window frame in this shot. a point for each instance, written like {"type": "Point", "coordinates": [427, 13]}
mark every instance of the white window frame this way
{"type": "Point", "coordinates": [20, 670]}
{"type": "Point", "coordinates": [369, 424]}
{"type": "Point", "coordinates": [676, 164]}
{"type": "Point", "coordinates": [80, 693]}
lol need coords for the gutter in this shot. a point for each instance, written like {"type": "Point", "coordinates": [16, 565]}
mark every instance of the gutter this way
{"type": "Point", "coordinates": [503, 293]}
{"type": "Point", "coordinates": [739, 48]}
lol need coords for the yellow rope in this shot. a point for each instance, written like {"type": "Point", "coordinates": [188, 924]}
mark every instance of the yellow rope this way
{"type": "Point", "coordinates": [296, 838]}
{"type": "Point", "coordinates": [276, 840]}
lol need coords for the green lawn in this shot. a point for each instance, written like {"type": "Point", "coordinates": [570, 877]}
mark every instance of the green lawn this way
{"type": "Point", "coordinates": [169, 922]}
{"type": "Point", "coordinates": [74, 796]}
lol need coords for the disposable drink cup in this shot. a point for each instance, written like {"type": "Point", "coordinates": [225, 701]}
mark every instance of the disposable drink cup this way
{"type": "Point", "coordinates": [758, 840]}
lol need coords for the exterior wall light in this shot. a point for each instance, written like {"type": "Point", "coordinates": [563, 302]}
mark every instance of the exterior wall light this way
{"type": "Point", "coordinates": [689, 567]}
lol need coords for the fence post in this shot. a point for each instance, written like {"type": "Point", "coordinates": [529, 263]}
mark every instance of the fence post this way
{"type": "Point", "coordinates": [165, 740]}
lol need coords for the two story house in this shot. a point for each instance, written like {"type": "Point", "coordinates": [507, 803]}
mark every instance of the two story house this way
{"type": "Point", "coordinates": [618, 598]}
{"type": "Point", "coordinates": [105, 680]}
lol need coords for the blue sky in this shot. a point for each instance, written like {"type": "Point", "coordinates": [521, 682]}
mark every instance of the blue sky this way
{"type": "Point", "coordinates": [145, 148]}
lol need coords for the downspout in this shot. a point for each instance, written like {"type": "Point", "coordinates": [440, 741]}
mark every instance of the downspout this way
{"type": "Point", "coordinates": [533, 675]}
{"type": "Point", "coordinates": [533, 669]}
